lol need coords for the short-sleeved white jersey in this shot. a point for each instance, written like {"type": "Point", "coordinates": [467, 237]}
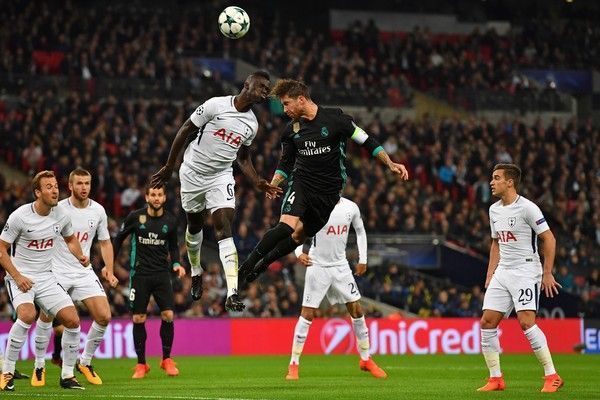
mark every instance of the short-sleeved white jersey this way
{"type": "Point", "coordinates": [328, 247]}
{"type": "Point", "coordinates": [87, 223]}
{"type": "Point", "coordinates": [516, 227]}
{"type": "Point", "coordinates": [223, 129]}
{"type": "Point", "coordinates": [35, 237]}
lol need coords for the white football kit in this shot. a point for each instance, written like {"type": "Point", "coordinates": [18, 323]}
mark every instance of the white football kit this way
{"type": "Point", "coordinates": [330, 274]}
{"type": "Point", "coordinates": [206, 173]}
{"type": "Point", "coordinates": [35, 240]}
{"type": "Point", "coordinates": [518, 277]}
{"type": "Point", "coordinates": [81, 283]}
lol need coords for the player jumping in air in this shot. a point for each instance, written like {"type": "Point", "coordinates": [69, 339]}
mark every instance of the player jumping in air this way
{"type": "Point", "coordinates": [515, 276]}
{"type": "Point", "coordinates": [226, 127]}
{"type": "Point", "coordinates": [313, 162]}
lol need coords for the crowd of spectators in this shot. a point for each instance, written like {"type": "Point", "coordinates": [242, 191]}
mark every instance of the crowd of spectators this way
{"type": "Point", "coordinates": [358, 66]}
{"type": "Point", "coordinates": [124, 141]}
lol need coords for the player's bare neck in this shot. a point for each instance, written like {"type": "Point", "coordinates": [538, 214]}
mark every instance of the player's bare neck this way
{"type": "Point", "coordinates": [41, 209]}
{"type": "Point", "coordinates": [509, 198]}
{"type": "Point", "coordinates": [241, 103]}
{"type": "Point", "coordinates": [310, 112]}
{"type": "Point", "coordinates": [79, 203]}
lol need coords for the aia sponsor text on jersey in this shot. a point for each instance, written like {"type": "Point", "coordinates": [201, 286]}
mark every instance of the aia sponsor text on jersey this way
{"type": "Point", "coordinates": [42, 244]}
{"type": "Point", "coordinates": [506, 236]}
{"type": "Point", "coordinates": [337, 230]}
{"type": "Point", "coordinates": [229, 138]}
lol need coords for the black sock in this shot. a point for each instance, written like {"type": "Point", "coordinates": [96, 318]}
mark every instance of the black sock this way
{"type": "Point", "coordinates": [283, 248]}
{"type": "Point", "coordinates": [269, 241]}
{"type": "Point", "coordinates": [57, 346]}
{"type": "Point", "coordinates": [139, 341]}
{"type": "Point", "coordinates": [167, 331]}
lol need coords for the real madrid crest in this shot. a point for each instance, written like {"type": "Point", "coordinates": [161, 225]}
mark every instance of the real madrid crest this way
{"type": "Point", "coordinates": [296, 127]}
{"type": "Point", "coordinates": [512, 221]}
{"type": "Point", "coordinates": [142, 219]}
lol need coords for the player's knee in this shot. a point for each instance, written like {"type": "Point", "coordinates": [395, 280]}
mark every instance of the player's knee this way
{"type": "Point", "coordinates": [307, 313]}
{"type": "Point", "coordinates": [299, 236]}
{"type": "Point", "coordinates": [27, 315]}
{"type": "Point", "coordinates": [167, 315]}
{"type": "Point", "coordinates": [71, 321]}
{"type": "Point", "coordinates": [103, 318]}
{"type": "Point", "coordinates": [526, 324]}
{"type": "Point", "coordinates": [139, 318]}
{"type": "Point", "coordinates": [487, 323]}
{"type": "Point", "coordinates": [45, 318]}
{"type": "Point", "coordinates": [223, 232]}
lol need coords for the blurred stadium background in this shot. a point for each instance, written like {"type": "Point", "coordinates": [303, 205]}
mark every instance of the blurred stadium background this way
{"type": "Point", "coordinates": [449, 88]}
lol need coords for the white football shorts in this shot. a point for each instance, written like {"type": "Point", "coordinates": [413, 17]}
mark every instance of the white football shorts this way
{"type": "Point", "coordinates": [46, 293]}
{"type": "Point", "coordinates": [510, 288]}
{"type": "Point", "coordinates": [81, 286]}
{"type": "Point", "coordinates": [200, 192]}
{"type": "Point", "coordinates": [337, 283]}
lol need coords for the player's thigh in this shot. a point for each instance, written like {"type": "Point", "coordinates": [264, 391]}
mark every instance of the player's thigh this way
{"type": "Point", "coordinates": [497, 297]}
{"type": "Point", "coordinates": [294, 201]}
{"type": "Point", "coordinates": [319, 210]}
{"type": "Point", "coordinates": [18, 298]}
{"type": "Point", "coordinates": [525, 291]}
{"type": "Point", "coordinates": [220, 192]}
{"type": "Point", "coordinates": [317, 282]}
{"type": "Point", "coordinates": [139, 294]}
{"type": "Point", "coordinates": [98, 308]}
{"type": "Point", "coordinates": [162, 291]}
{"type": "Point", "coordinates": [84, 286]}
{"type": "Point", "coordinates": [344, 288]}
{"type": "Point", "coordinates": [193, 190]}
{"type": "Point", "coordinates": [51, 297]}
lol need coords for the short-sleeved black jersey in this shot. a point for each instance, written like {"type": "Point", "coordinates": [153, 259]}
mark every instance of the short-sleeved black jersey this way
{"type": "Point", "coordinates": [314, 152]}
{"type": "Point", "coordinates": [153, 240]}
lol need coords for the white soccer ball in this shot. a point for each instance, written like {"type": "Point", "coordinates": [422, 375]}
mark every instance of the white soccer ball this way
{"type": "Point", "coordinates": [234, 22]}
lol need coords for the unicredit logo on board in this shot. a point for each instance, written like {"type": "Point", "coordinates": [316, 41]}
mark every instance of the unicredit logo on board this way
{"type": "Point", "coordinates": [337, 336]}
{"type": "Point", "coordinates": [402, 337]}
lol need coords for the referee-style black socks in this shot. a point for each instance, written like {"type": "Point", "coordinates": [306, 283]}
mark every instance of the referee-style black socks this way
{"type": "Point", "coordinates": [268, 243]}
{"type": "Point", "coordinates": [139, 341]}
{"type": "Point", "coordinates": [167, 331]}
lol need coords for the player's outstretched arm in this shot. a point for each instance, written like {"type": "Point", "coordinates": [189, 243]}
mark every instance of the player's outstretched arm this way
{"type": "Point", "coordinates": [494, 260]}
{"type": "Point", "coordinates": [245, 162]}
{"type": "Point", "coordinates": [361, 241]}
{"type": "Point", "coordinates": [549, 284]}
{"type": "Point", "coordinates": [23, 283]}
{"type": "Point", "coordinates": [164, 174]}
{"type": "Point", "coordinates": [75, 249]}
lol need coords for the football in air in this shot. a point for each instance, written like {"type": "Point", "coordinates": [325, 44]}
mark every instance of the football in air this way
{"type": "Point", "coordinates": [234, 22]}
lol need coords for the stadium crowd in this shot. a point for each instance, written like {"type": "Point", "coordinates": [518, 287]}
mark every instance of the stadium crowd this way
{"type": "Point", "coordinates": [159, 43]}
{"type": "Point", "coordinates": [124, 141]}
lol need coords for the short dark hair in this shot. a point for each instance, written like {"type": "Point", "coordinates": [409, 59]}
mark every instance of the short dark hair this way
{"type": "Point", "coordinates": [262, 74]}
{"type": "Point", "coordinates": [511, 171]}
{"type": "Point", "coordinates": [290, 87]}
{"type": "Point", "coordinates": [161, 185]}
{"type": "Point", "coordinates": [36, 181]}
{"type": "Point", "coordinates": [79, 172]}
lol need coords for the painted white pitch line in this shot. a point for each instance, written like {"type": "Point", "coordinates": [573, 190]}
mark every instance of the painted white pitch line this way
{"type": "Point", "coordinates": [122, 396]}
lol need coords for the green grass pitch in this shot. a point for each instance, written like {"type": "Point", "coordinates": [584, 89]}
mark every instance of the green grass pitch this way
{"type": "Point", "coordinates": [325, 377]}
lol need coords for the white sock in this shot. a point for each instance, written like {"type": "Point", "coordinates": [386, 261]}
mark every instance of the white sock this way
{"type": "Point", "coordinates": [490, 347]}
{"type": "Point", "coordinates": [14, 344]}
{"type": "Point", "coordinates": [94, 338]}
{"type": "Point", "coordinates": [193, 244]}
{"type": "Point", "coordinates": [362, 337]}
{"type": "Point", "coordinates": [538, 343]}
{"type": "Point", "coordinates": [300, 334]}
{"type": "Point", "coordinates": [70, 345]}
{"type": "Point", "coordinates": [43, 331]}
{"type": "Point", "coordinates": [16, 339]}
{"type": "Point", "coordinates": [229, 258]}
